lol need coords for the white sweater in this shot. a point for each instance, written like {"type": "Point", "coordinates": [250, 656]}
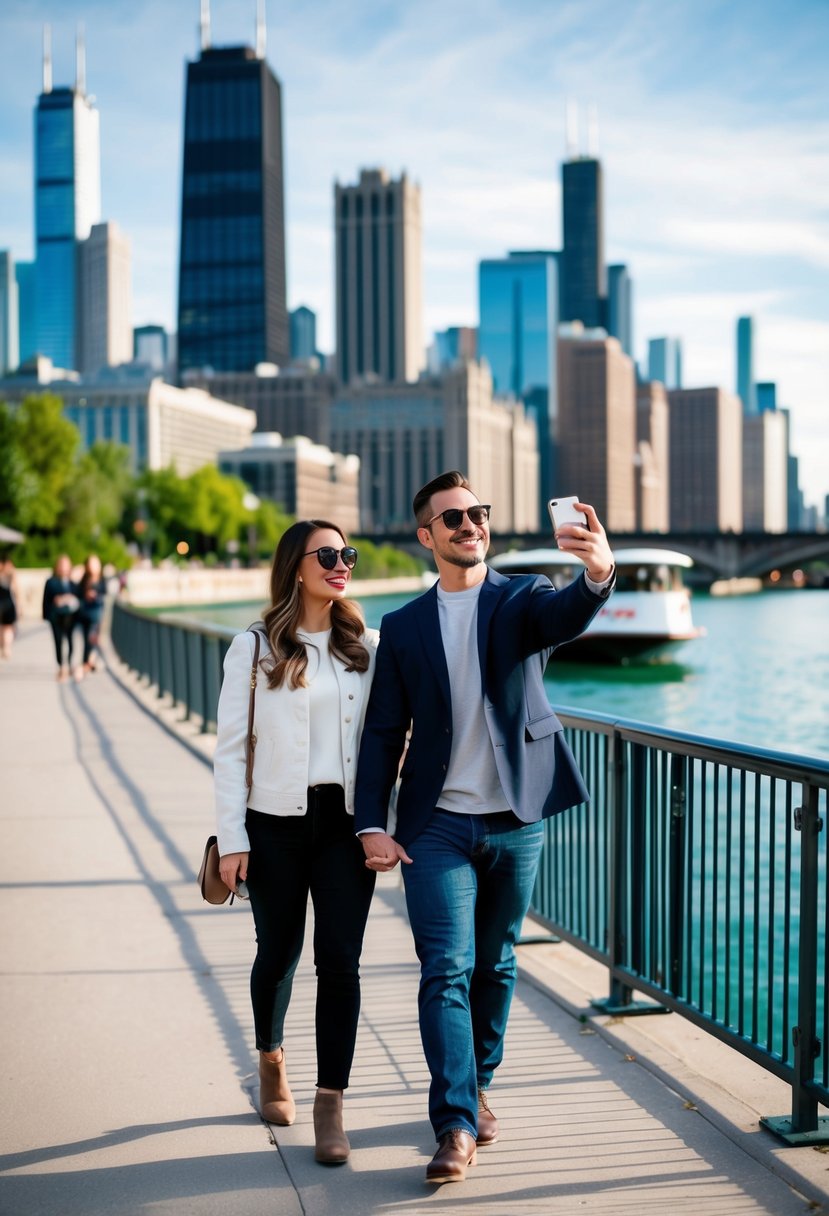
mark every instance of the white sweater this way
{"type": "Point", "coordinates": [282, 730]}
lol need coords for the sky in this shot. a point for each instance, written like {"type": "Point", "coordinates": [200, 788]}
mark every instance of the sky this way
{"type": "Point", "coordinates": [713, 131]}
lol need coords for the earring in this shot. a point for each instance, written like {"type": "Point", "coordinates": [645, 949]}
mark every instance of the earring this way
{"type": "Point", "coordinates": [299, 580]}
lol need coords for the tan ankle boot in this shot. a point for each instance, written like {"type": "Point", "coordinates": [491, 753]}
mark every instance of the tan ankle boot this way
{"type": "Point", "coordinates": [276, 1101]}
{"type": "Point", "coordinates": [332, 1147]}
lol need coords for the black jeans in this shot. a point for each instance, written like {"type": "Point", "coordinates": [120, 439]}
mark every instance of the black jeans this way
{"type": "Point", "coordinates": [63, 631]}
{"type": "Point", "coordinates": [291, 856]}
{"type": "Point", "coordinates": [91, 629]}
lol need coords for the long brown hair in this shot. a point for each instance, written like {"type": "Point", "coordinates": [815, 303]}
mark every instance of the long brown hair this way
{"type": "Point", "coordinates": [289, 659]}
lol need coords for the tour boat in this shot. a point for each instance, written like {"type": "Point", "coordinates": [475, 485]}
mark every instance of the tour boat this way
{"type": "Point", "coordinates": [648, 616]}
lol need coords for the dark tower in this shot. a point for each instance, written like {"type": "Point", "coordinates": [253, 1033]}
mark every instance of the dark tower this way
{"type": "Point", "coordinates": [232, 311]}
{"type": "Point", "coordinates": [584, 280]}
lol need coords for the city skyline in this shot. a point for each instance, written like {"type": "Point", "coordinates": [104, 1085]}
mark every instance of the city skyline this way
{"type": "Point", "coordinates": [714, 161]}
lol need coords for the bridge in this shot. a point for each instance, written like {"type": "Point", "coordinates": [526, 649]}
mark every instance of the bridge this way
{"type": "Point", "coordinates": [720, 555]}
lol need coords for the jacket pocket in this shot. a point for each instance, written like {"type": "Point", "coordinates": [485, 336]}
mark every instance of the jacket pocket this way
{"type": "Point", "coordinates": [540, 728]}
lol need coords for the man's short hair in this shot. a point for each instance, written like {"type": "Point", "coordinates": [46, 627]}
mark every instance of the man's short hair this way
{"type": "Point", "coordinates": [453, 480]}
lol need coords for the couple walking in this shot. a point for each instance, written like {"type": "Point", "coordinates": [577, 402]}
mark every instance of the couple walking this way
{"type": "Point", "coordinates": [68, 605]}
{"type": "Point", "coordinates": [458, 672]}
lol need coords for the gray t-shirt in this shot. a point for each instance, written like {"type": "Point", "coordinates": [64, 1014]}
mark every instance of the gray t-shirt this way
{"type": "Point", "coordinates": [472, 785]}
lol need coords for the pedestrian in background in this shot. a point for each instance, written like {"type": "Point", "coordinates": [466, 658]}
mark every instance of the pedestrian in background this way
{"type": "Point", "coordinates": [293, 833]}
{"type": "Point", "coordinates": [8, 606]}
{"type": "Point", "coordinates": [60, 608]}
{"type": "Point", "coordinates": [92, 595]}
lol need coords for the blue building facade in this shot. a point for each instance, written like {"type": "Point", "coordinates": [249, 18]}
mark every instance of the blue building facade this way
{"type": "Point", "coordinates": [25, 273]}
{"type": "Point", "coordinates": [303, 333]}
{"type": "Point", "coordinates": [67, 204]}
{"type": "Point", "coordinates": [620, 306]}
{"type": "Point", "coordinates": [518, 308]}
{"type": "Point", "coordinates": [232, 311]}
{"type": "Point", "coordinates": [746, 387]}
{"type": "Point", "coordinates": [665, 361]}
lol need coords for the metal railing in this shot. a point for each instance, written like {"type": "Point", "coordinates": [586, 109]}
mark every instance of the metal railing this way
{"type": "Point", "coordinates": [697, 874]}
{"type": "Point", "coordinates": [181, 658]}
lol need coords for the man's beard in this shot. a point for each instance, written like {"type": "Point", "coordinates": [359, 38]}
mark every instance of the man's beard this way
{"type": "Point", "coordinates": [464, 560]}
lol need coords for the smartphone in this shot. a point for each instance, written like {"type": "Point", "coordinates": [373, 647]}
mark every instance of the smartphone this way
{"type": "Point", "coordinates": [562, 511]}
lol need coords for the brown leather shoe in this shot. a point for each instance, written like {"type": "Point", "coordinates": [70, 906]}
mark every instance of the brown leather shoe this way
{"type": "Point", "coordinates": [331, 1147]}
{"type": "Point", "coordinates": [276, 1102]}
{"type": "Point", "coordinates": [487, 1123]}
{"type": "Point", "coordinates": [456, 1151]}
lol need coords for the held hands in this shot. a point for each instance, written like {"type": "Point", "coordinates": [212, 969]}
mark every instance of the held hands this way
{"type": "Point", "coordinates": [383, 852]}
{"type": "Point", "coordinates": [590, 544]}
{"type": "Point", "coordinates": [233, 868]}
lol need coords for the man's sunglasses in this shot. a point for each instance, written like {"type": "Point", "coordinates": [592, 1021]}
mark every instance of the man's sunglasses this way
{"type": "Point", "coordinates": [327, 556]}
{"type": "Point", "coordinates": [453, 516]}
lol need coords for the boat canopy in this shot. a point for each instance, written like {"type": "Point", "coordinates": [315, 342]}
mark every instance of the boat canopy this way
{"type": "Point", "coordinates": [521, 558]}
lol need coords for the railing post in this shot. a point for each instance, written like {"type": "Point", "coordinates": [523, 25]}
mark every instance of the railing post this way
{"type": "Point", "coordinates": [805, 1125]}
{"type": "Point", "coordinates": [676, 870]}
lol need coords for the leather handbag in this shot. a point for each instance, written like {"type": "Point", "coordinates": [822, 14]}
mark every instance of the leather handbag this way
{"type": "Point", "coordinates": [212, 888]}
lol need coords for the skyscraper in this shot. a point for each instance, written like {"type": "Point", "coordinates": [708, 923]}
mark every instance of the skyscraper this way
{"type": "Point", "coordinates": [24, 273]}
{"type": "Point", "coordinates": [665, 361]}
{"type": "Point", "coordinates": [104, 299]}
{"type": "Point", "coordinates": [67, 203]}
{"type": "Point", "coordinates": [619, 318]}
{"type": "Point", "coordinates": [584, 278]}
{"type": "Point", "coordinates": [746, 387]}
{"type": "Point", "coordinates": [303, 333]}
{"type": "Point", "coordinates": [518, 309]}
{"type": "Point", "coordinates": [9, 344]}
{"type": "Point", "coordinates": [766, 391]}
{"type": "Point", "coordinates": [379, 278]}
{"type": "Point", "coordinates": [706, 460]}
{"type": "Point", "coordinates": [765, 472]}
{"type": "Point", "coordinates": [597, 427]}
{"type": "Point", "coordinates": [232, 311]}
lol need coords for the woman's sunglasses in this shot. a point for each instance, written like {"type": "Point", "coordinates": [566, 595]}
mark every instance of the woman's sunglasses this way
{"type": "Point", "coordinates": [327, 556]}
{"type": "Point", "coordinates": [453, 516]}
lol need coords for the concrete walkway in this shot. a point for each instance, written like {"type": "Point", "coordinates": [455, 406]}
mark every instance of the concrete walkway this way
{"type": "Point", "coordinates": [126, 1051]}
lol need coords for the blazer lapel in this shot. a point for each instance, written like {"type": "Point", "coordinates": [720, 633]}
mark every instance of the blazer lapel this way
{"type": "Point", "coordinates": [491, 592]}
{"type": "Point", "coordinates": [428, 622]}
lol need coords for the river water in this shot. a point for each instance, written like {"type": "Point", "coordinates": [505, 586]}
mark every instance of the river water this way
{"type": "Point", "coordinates": [760, 676]}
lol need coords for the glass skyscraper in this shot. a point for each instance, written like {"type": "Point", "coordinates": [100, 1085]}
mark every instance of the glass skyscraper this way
{"type": "Point", "coordinates": [583, 274]}
{"type": "Point", "coordinates": [665, 361]}
{"type": "Point", "coordinates": [232, 311]}
{"type": "Point", "coordinates": [518, 302]}
{"type": "Point", "coordinates": [67, 204]}
{"type": "Point", "coordinates": [746, 387]}
{"type": "Point", "coordinates": [620, 306]}
{"type": "Point", "coordinates": [303, 333]}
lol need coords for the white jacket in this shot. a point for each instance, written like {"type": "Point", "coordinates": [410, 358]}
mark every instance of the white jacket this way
{"type": "Point", "coordinates": [282, 730]}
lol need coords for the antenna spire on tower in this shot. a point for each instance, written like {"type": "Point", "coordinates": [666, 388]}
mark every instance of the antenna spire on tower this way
{"type": "Point", "coordinates": [47, 59]}
{"type": "Point", "coordinates": [80, 61]}
{"type": "Point", "coordinates": [261, 29]}
{"type": "Point", "coordinates": [204, 25]}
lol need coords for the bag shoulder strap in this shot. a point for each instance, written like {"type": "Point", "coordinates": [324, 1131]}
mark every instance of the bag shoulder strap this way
{"type": "Point", "coordinates": [250, 743]}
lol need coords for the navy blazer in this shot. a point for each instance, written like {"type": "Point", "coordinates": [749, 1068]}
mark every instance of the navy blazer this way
{"type": "Point", "coordinates": [521, 619]}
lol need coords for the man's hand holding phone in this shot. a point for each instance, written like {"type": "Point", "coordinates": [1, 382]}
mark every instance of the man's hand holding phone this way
{"type": "Point", "coordinates": [578, 531]}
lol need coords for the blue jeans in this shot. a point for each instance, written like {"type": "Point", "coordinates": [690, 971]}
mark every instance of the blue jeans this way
{"type": "Point", "coordinates": [467, 892]}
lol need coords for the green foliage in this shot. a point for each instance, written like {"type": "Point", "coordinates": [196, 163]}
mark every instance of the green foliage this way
{"type": "Point", "coordinates": [384, 561]}
{"type": "Point", "coordinates": [43, 446]}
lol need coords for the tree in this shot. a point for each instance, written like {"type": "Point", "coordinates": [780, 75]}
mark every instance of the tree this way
{"type": "Point", "coordinates": [43, 443]}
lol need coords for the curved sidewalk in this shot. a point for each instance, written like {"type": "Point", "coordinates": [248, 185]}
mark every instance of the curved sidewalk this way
{"type": "Point", "coordinates": [127, 1057]}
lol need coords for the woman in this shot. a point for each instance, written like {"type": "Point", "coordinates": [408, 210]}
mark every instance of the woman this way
{"type": "Point", "coordinates": [60, 609]}
{"type": "Point", "coordinates": [92, 594]}
{"type": "Point", "coordinates": [8, 605]}
{"type": "Point", "coordinates": [294, 832]}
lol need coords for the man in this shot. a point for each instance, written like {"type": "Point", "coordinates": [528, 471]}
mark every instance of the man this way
{"type": "Point", "coordinates": [462, 666]}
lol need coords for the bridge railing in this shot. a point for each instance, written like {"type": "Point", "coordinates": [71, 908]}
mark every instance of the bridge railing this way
{"type": "Point", "coordinates": [697, 874]}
